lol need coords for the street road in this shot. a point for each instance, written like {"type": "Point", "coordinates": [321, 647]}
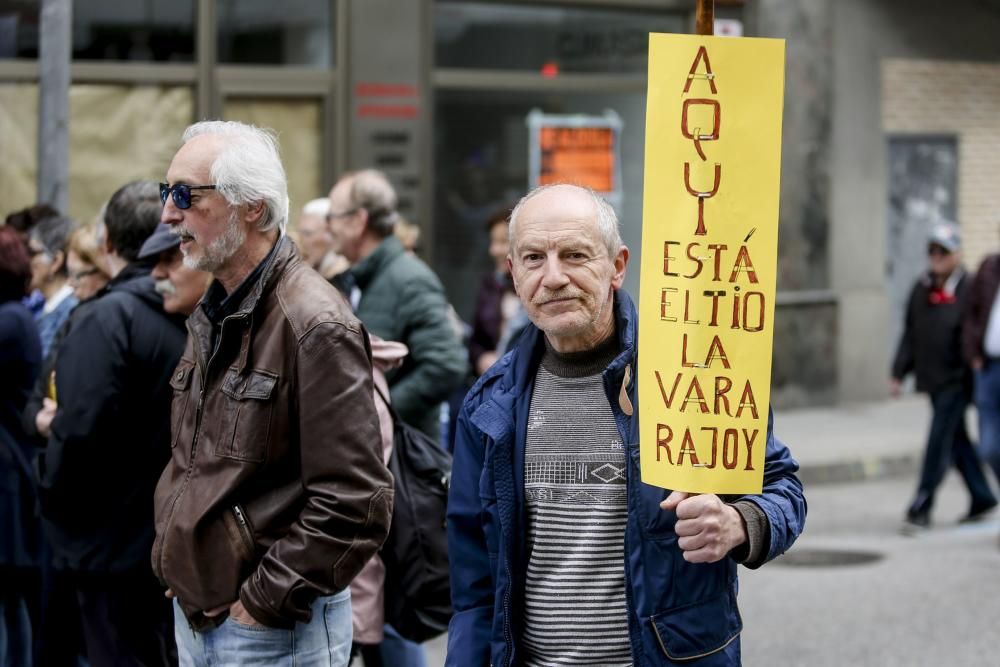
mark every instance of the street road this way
{"type": "Point", "coordinates": [931, 599]}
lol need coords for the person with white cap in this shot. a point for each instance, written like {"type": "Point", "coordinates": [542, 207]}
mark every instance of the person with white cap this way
{"type": "Point", "coordinates": [931, 348]}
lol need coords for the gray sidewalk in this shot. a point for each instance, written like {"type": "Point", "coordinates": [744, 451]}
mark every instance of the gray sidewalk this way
{"type": "Point", "coordinates": [857, 442]}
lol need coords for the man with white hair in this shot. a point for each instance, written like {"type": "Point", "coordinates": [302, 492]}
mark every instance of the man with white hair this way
{"type": "Point", "coordinates": [559, 553]}
{"type": "Point", "coordinates": [316, 240]}
{"type": "Point", "coordinates": [276, 494]}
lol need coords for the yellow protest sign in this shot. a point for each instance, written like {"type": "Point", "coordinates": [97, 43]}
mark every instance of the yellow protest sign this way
{"type": "Point", "coordinates": [709, 258]}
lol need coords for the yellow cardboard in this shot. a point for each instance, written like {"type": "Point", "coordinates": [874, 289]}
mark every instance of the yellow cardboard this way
{"type": "Point", "coordinates": [709, 260]}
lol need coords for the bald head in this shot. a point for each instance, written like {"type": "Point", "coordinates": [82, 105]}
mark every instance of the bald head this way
{"type": "Point", "coordinates": [570, 200]}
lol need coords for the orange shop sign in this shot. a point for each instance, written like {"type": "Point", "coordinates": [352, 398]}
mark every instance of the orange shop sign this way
{"type": "Point", "coordinates": [578, 149]}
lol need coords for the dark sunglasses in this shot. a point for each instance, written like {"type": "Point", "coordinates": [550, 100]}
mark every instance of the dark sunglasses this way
{"type": "Point", "coordinates": [181, 193]}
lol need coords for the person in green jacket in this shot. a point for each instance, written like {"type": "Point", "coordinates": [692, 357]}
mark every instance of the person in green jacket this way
{"type": "Point", "coordinates": [396, 296]}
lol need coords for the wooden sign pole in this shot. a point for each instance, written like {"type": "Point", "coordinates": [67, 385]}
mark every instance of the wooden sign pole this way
{"type": "Point", "coordinates": [704, 17]}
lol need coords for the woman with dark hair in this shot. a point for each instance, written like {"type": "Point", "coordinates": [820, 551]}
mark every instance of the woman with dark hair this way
{"type": "Point", "coordinates": [499, 316]}
{"type": "Point", "coordinates": [20, 357]}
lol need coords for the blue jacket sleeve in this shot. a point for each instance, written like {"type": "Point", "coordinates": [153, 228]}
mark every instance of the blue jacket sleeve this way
{"type": "Point", "coordinates": [781, 498]}
{"type": "Point", "coordinates": [472, 589]}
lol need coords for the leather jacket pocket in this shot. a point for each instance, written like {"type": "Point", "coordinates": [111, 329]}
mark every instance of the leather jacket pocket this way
{"type": "Point", "coordinates": [699, 629]}
{"type": "Point", "coordinates": [180, 382]}
{"type": "Point", "coordinates": [246, 415]}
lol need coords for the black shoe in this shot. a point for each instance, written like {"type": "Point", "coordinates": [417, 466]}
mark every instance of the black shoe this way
{"type": "Point", "coordinates": [917, 520]}
{"type": "Point", "coordinates": [978, 512]}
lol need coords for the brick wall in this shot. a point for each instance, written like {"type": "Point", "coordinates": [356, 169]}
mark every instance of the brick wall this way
{"type": "Point", "coordinates": [961, 99]}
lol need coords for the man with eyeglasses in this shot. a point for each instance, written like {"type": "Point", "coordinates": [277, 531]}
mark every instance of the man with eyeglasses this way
{"type": "Point", "coordinates": [276, 494]}
{"type": "Point", "coordinates": [930, 348]}
{"type": "Point", "coordinates": [398, 297]}
{"type": "Point", "coordinates": [108, 440]}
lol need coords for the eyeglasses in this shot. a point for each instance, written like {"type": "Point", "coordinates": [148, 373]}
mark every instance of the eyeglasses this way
{"type": "Point", "coordinates": [181, 193]}
{"type": "Point", "coordinates": [343, 214]}
{"type": "Point", "coordinates": [78, 275]}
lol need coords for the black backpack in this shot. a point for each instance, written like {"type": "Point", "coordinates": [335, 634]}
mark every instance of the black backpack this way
{"type": "Point", "coordinates": [417, 587]}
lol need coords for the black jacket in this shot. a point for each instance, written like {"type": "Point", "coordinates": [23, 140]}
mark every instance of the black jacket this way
{"type": "Point", "coordinates": [111, 433]}
{"type": "Point", "coordinates": [931, 342]}
{"type": "Point", "coordinates": [20, 357]}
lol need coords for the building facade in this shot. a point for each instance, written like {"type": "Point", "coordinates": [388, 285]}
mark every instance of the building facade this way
{"type": "Point", "coordinates": [889, 122]}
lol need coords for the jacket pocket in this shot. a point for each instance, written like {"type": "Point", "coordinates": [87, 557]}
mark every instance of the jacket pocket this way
{"type": "Point", "coordinates": [699, 629]}
{"type": "Point", "coordinates": [245, 532]}
{"type": "Point", "coordinates": [180, 382]}
{"type": "Point", "coordinates": [656, 523]}
{"type": "Point", "coordinates": [246, 416]}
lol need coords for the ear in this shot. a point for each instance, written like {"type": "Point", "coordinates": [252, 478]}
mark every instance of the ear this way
{"type": "Point", "coordinates": [362, 216]}
{"type": "Point", "coordinates": [620, 262]}
{"type": "Point", "coordinates": [59, 262]}
{"type": "Point", "coordinates": [255, 212]}
{"type": "Point", "coordinates": [510, 270]}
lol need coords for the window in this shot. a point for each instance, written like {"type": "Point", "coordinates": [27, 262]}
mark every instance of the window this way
{"type": "Point", "coordinates": [481, 149]}
{"type": "Point", "coordinates": [19, 28]}
{"type": "Point", "coordinates": [480, 35]}
{"type": "Point", "coordinates": [262, 32]}
{"type": "Point", "coordinates": [149, 31]}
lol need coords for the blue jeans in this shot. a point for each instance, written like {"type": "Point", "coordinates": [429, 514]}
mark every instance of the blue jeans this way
{"type": "Point", "coordinates": [948, 443]}
{"type": "Point", "coordinates": [987, 399]}
{"type": "Point", "coordinates": [323, 642]}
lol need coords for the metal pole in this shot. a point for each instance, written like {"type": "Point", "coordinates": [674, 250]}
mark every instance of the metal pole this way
{"type": "Point", "coordinates": [704, 17]}
{"type": "Point", "coordinates": [55, 53]}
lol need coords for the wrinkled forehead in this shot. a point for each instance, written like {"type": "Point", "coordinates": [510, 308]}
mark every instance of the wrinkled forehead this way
{"type": "Point", "coordinates": [560, 214]}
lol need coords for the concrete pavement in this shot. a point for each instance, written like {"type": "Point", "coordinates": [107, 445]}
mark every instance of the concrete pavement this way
{"type": "Point", "coordinates": [852, 443]}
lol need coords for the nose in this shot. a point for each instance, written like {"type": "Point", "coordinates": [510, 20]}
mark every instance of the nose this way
{"type": "Point", "coordinates": [554, 277]}
{"type": "Point", "coordinates": [171, 215]}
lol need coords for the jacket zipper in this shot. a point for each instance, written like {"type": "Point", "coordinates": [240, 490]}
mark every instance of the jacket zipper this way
{"type": "Point", "coordinates": [246, 533]}
{"type": "Point", "coordinates": [507, 635]}
{"type": "Point", "coordinates": [203, 372]}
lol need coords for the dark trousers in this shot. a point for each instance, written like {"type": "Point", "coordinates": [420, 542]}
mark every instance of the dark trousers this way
{"type": "Point", "coordinates": [126, 620]}
{"type": "Point", "coordinates": [947, 443]}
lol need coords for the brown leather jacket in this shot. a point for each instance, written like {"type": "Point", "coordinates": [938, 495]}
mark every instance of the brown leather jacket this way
{"type": "Point", "coordinates": [982, 294]}
{"type": "Point", "coordinates": [276, 492]}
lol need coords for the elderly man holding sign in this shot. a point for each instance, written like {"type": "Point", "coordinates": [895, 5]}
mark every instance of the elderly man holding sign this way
{"type": "Point", "coordinates": [560, 553]}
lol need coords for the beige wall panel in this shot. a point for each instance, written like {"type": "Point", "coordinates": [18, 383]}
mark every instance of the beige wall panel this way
{"type": "Point", "coordinates": [299, 124]}
{"type": "Point", "coordinates": [120, 134]}
{"type": "Point", "coordinates": [18, 145]}
{"type": "Point", "coordinates": [960, 98]}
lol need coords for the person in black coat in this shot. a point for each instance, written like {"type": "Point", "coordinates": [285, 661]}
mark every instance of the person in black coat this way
{"type": "Point", "coordinates": [20, 358]}
{"type": "Point", "coordinates": [110, 439]}
{"type": "Point", "coordinates": [931, 348]}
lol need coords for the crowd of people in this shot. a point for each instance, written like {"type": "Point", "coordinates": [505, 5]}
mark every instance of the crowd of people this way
{"type": "Point", "coordinates": [194, 448]}
{"type": "Point", "coordinates": [951, 344]}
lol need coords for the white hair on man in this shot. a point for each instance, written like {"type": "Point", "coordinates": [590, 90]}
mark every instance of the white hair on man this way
{"type": "Point", "coordinates": [318, 207]}
{"type": "Point", "coordinates": [248, 169]}
{"type": "Point", "coordinates": [607, 219]}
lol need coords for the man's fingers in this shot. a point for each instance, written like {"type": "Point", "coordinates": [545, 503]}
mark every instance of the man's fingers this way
{"type": "Point", "coordinates": [169, 593]}
{"type": "Point", "coordinates": [673, 500]}
{"type": "Point", "coordinates": [704, 555]}
{"type": "Point", "coordinates": [698, 506]}
{"type": "Point", "coordinates": [692, 542]}
{"type": "Point", "coordinates": [688, 527]}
